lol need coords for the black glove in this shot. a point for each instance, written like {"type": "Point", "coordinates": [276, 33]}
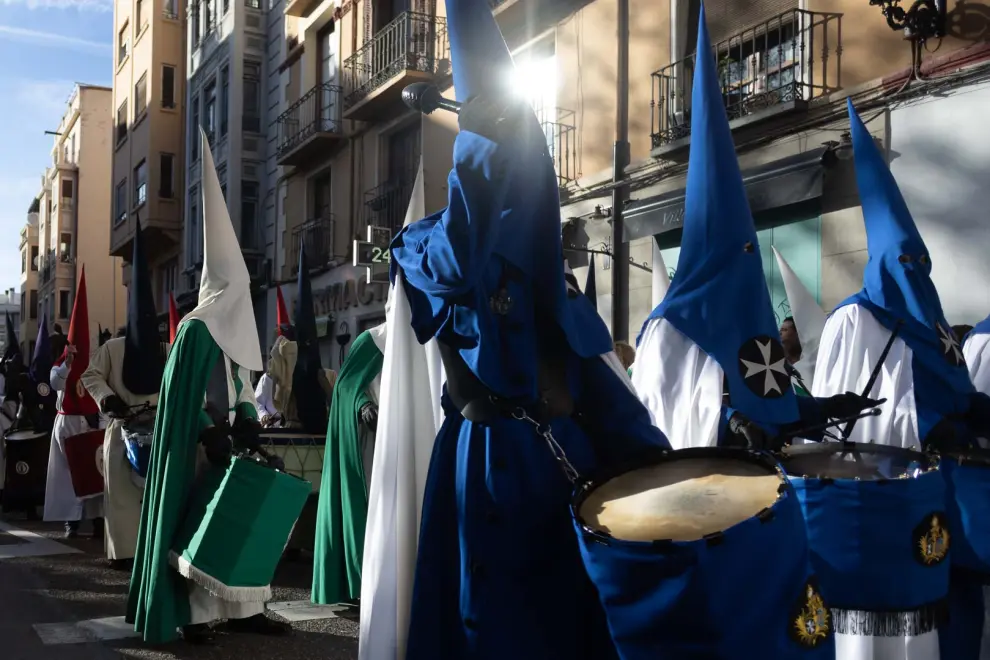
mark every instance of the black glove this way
{"type": "Point", "coordinates": [216, 441]}
{"type": "Point", "coordinates": [496, 121]}
{"type": "Point", "coordinates": [369, 416]}
{"type": "Point", "coordinates": [847, 405]}
{"type": "Point", "coordinates": [114, 406]}
{"type": "Point", "coordinates": [276, 463]}
{"type": "Point", "coordinates": [756, 437]}
{"type": "Point", "coordinates": [246, 431]}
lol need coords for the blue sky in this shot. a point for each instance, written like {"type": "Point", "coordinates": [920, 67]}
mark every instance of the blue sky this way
{"type": "Point", "coordinates": [45, 46]}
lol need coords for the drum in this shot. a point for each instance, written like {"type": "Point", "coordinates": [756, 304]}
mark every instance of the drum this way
{"type": "Point", "coordinates": [699, 553]}
{"type": "Point", "coordinates": [302, 452]}
{"type": "Point", "coordinates": [878, 532]}
{"type": "Point", "coordinates": [137, 435]}
{"type": "Point", "coordinates": [967, 479]}
{"type": "Point", "coordinates": [236, 528]}
{"type": "Point", "coordinates": [81, 453]}
{"type": "Point", "coordinates": [26, 456]}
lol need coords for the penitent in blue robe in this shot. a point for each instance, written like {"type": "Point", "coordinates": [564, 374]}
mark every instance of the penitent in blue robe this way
{"type": "Point", "coordinates": [499, 575]}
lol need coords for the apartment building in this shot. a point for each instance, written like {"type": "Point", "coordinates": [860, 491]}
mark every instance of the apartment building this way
{"type": "Point", "coordinates": [30, 248]}
{"type": "Point", "coordinates": [74, 215]}
{"type": "Point", "coordinates": [225, 97]}
{"type": "Point", "coordinates": [348, 149]}
{"type": "Point", "coordinates": [148, 146]}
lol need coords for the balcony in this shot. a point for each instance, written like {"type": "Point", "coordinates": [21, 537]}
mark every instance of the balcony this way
{"type": "Point", "coordinates": [301, 8]}
{"type": "Point", "coordinates": [310, 126]}
{"type": "Point", "coordinates": [386, 204]}
{"type": "Point", "coordinates": [317, 236]}
{"type": "Point", "coordinates": [774, 68]}
{"type": "Point", "coordinates": [561, 136]}
{"type": "Point", "coordinates": [412, 48]}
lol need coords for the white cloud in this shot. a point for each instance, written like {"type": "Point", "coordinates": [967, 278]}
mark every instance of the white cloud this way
{"type": "Point", "coordinates": [81, 5]}
{"type": "Point", "coordinates": [53, 39]}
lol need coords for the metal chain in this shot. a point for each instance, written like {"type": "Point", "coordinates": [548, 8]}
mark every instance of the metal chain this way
{"type": "Point", "coordinates": [544, 431]}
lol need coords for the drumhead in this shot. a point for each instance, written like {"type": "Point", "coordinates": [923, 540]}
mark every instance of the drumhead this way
{"type": "Point", "coordinates": [854, 460]}
{"type": "Point", "coordinates": [27, 434]}
{"type": "Point", "coordinates": [685, 496]}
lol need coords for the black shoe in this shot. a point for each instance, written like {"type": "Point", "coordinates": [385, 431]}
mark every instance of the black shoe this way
{"type": "Point", "coordinates": [71, 530]}
{"type": "Point", "coordinates": [199, 633]}
{"type": "Point", "coordinates": [121, 564]}
{"type": "Point", "coordinates": [259, 624]}
{"type": "Point", "coordinates": [98, 529]}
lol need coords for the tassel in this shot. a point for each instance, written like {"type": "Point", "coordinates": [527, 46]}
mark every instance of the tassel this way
{"type": "Point", "coordinates": [217, 588]}
{"type": "Point", "coordinates": [891, 624]}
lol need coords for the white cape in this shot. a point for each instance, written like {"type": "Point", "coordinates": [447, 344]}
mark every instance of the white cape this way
{"type": "Point", "coordinates": [850, 347]}
{"type": "Point", "coordinates": [976, 351]}
{"type": "Point", "coordinates": [809, 318]}
{"type": "Point", "coordinates": [679, 384]}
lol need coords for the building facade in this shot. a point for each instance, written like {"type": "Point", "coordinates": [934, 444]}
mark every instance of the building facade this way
{"type": "Point", "coordinates": [30, 264]}
{"type": "Point", "coordinates": [225, 98]}
{"type": "Point", "coordinates": [348, 150]}
{"type": "Point", "coordinates": [74, 216]}
{"type": "Point", "coordinates": [10, 305]}
{"type": "Point", "coordinates": [148, 146]}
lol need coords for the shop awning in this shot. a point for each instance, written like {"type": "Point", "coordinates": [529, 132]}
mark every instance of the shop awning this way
{"type": "Point", "coordinates": [783, 182]}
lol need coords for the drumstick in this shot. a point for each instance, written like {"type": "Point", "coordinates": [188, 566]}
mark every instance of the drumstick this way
{"type": "Point", "coordinates": [809, 430]}
{"type": "Point", "coordinates": [846, 432]}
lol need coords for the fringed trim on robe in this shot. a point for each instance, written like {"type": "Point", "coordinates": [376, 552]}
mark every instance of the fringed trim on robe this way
{"type": "Point", "coordinates": [891, 624]}
{"type": "Point", "coordinates": [217, 588]}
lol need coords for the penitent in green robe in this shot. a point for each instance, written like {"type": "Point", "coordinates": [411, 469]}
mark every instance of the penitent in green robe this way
{"type": "Point", "coordinates": [158, 599]}
{"type": "Point", "coordinates": [343, 509]}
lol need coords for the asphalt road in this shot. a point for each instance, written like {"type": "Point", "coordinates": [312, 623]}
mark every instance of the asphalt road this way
{"type": "Point", "coordinates": [66, 588]}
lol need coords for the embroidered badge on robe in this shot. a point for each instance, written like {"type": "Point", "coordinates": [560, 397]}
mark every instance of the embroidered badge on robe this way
{"type": "Point", "coordinates": [761, 363]}
{"type": "Point", "coordinates": [80, 390]}
{"type": "Point", "coordinates": [931, 540]}
{"type": "Point", "coordinates": [950, 346]}
{"type": "Point", "coordinates": [44, 389]}
{"type": "Point", "coordinates": [810, 621]}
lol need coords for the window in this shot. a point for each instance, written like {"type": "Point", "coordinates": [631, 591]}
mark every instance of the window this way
{"type": "Point", "coordinates": [140, 184]}
{"type": "Point", "coordinates": [122, 122]}
{"type": "Point", "coordinates": [320, 185]}
{"type": "Point", "coordinates": [120, 203]}
{"type": "Point", "coordinates": [169, 9]}
{"type": "Point", "coordinates": [224, 99]}
{"type": "Point", "coordinates": [64, 308]}
{"type": "Point", "coordinates": [210, 111]}
{"type": "Point", "coordinates": [141, 95]}
{"type": "Point", "coordinates": [249, 214]}
{"type": "Point", "coordinates": [23, 307]}
{"type": "Point", "coordinates": [34, 257]}
{"type": "Point", "coordinates": [139, 16]}
{"type": "Point", "coordinates": [253, 4]}
{"type": "Point", "coordinates": [168, 86]}
{"type": "Point", "coordinates": [194, 23]}
{"type": "Point", "coordinates": [34, 304]}
{"type": "Point", "coordinates": [193, 235]}
{"type": "Point", "coordinates": [123, 43]}
{"type": "Point", "coordinates": [166, 188]}
{"type": "Point", "coordinates": [24, 259]}
{"type": "Point", "coordinates": [67, 189]}
{"type": "Point", "coordinates": [194, 134]}
{"type": "Point", "coordinates": [209, 18]}
{"type": "Point", "coordinates": [225, 5]}
{"type": "Point", "coordinates": [65, 247]}
{"type": "Point", "coordinates": [252, 97]}
{"type": "Point", "coordinates": [169, 278]}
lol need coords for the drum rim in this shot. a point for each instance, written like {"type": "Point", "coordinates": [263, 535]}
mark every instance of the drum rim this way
{"type": "Point", "coordinates": [972, 456]}
{"type": "Point", "coordinates": [651, 458]}
{"type": "Point", "coordinates": [931, 460]}
{"type": "Point", "coordinates": [37, 434]}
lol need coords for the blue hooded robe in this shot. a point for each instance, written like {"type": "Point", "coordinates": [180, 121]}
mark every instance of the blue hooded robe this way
{"type": "Point", "coordinates": [498, 573]}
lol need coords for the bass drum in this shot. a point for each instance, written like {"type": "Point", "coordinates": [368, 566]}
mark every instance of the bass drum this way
{"type": "Point", "coordinates": [26, 469]}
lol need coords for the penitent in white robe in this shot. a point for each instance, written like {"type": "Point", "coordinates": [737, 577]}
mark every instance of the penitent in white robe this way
{"type": "Point", "coordinates": [850, 347]}
{"type": "Point", "coordinates": [61, 503]}
{"type": "Point", "coordinates": [122, 498]}
{"type": "Point", "coordinates": [679, 384]}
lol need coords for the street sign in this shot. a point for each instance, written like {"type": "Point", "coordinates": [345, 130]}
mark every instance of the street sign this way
{"type": "Point", "coordinates": [374, 254]}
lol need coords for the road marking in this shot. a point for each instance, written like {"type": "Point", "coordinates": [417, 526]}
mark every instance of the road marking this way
{"type": "Point", "coordinates": [81, 632]}
{"type": "Point", "coordinates": [114, 627]}
{"type": "Point", "coordinates": [33, 545]}
{"type": "Point", "coordinates": [304, 610]}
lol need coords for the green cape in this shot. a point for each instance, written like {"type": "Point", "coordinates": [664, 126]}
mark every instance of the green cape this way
{"type": "Point", "coordinates": [158, 602]}
{"type": "Point", "coordinates": [343, 509]}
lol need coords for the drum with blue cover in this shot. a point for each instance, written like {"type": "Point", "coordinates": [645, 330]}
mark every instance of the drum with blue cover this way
{"type": "Point", "coordinates": [879, 534]}
{"type": "Point", "coordinates": [967, 478]}
{"type": "Point", "coordinates": [137, 433]}
{"type": "Point", "coordinates": [701, 553]}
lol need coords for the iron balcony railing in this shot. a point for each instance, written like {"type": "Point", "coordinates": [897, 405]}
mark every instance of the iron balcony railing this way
{"type": "Point", "coordinates": [318, 111]}
{"type": "Point", "coordinates": [561, 137]}
{"type": "Point", "coordinates": [795, 56]}
{"type": "Point", "coordinates": [386, 204]}
{"type": "Point", "coordinates": [317, 235]}
{"type": "Point", "coordinates": [411, 42]}
{"type": "Point", "coordinates": [48, 267]}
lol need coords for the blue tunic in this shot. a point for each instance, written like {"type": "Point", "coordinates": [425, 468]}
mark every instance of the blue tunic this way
{"type": "Point", "coordinates": [499, 573]}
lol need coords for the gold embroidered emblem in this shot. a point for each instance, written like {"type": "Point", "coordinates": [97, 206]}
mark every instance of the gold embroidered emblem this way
{"type": "Point", "coordinates": [80, 390]}
{"type": "Point", "coordinates": [933, 543]}
{"type": "Point", "coordinates": [811, 625]}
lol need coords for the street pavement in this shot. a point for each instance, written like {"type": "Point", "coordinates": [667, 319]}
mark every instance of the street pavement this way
{"type": "Point", "coordinates": [60, 601]}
